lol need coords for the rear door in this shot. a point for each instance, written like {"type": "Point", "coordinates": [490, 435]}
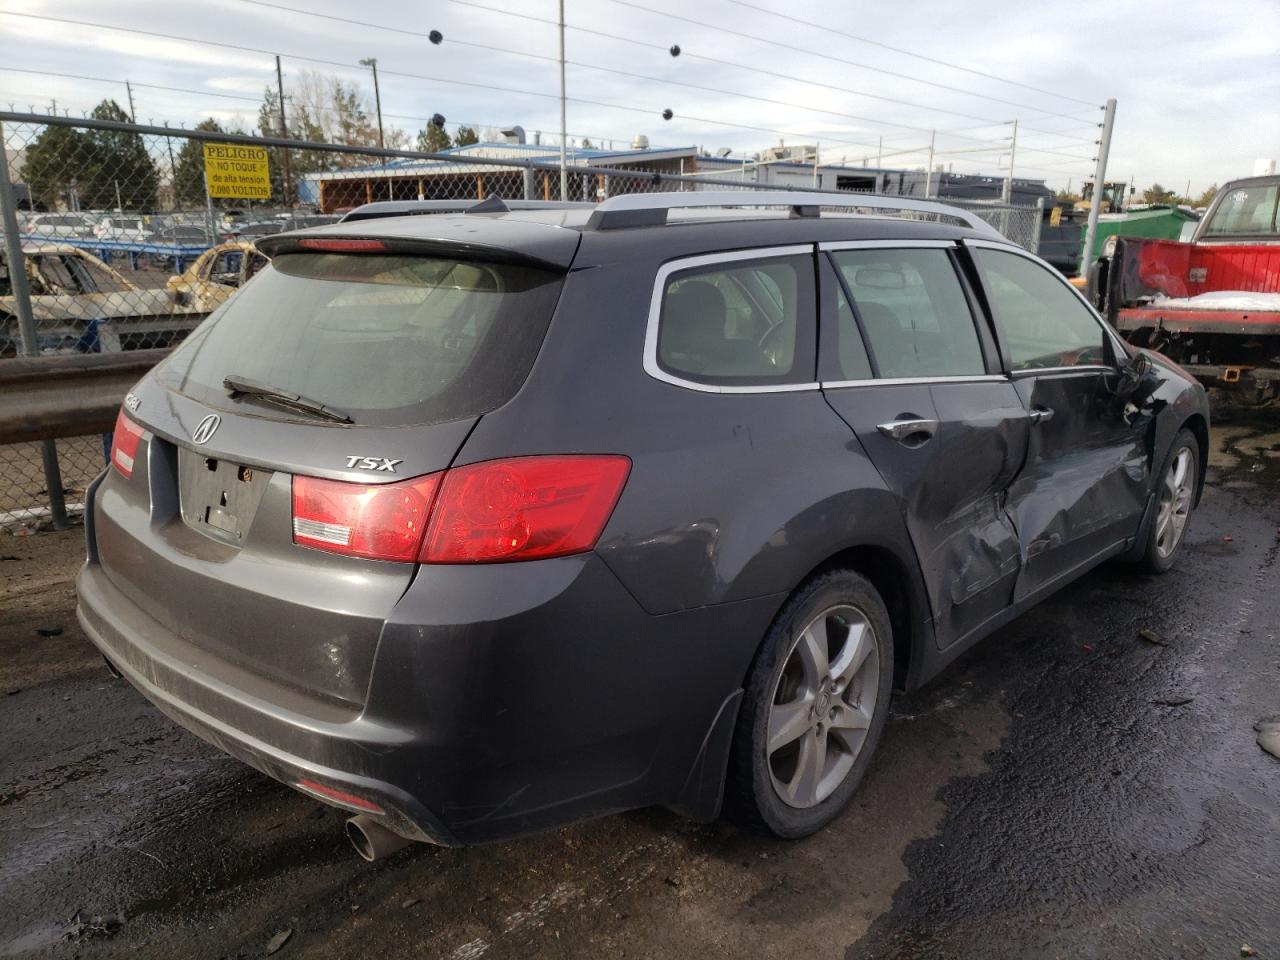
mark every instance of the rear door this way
{"type": "Point", "coordinates": [907, 364]}
{"type": "Point", "coordinates": [1083, 488]}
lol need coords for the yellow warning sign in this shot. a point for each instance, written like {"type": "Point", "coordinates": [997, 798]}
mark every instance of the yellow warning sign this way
{"type": "Point", "coordinates": [233, 171]}
{"type": "Point", "coordinates": [1055, 217]}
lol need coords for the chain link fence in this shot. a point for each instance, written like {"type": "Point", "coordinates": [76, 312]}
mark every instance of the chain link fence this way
{"type": "Point", "coordinates": [130, 235]}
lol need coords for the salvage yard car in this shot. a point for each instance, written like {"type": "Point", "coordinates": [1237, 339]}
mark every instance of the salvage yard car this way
{"type": "Point", "coordinates": [478, 524]}
{"type": "Point", "coordinates": [1212, 304]}
{"type": "Point", "coordinates": [79, 303]}
{"type": "Point", "coordinates": [215, 275]}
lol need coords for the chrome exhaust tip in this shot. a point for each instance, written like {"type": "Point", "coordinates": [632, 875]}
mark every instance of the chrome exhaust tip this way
{"type": "Point", "coordinates": [372, 840]}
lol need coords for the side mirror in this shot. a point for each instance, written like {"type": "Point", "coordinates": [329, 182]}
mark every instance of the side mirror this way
{"type": "Point", "coordinates": [1133, 370]}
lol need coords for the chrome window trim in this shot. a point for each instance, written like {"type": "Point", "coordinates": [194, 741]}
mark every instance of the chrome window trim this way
{"type": "Point", "coordinates": [832, 246]}
{"type": "Point", "coordinates": [1009, 247]}
{"type": "Point", "coordinates": [1060, 371]}
{"type": "Point", "coordinates": [901, 381]}
{"type": "Point", "coordinates": [651, 366]}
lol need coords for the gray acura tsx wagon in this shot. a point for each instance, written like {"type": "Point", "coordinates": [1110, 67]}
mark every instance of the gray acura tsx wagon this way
{"type": "Point", "coordinates": [478, 523]}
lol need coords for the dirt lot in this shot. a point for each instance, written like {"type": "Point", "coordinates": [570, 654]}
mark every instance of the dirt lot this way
{"type": "Point", "coordinates": [1044, 798]}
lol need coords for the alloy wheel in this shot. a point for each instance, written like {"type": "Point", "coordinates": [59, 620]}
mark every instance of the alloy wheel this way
{"type": "Point", "coordinates": [1176, 494]}
{"type": "Point", "coordinates": [822, 706]}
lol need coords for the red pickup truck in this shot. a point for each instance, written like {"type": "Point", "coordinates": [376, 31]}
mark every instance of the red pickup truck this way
{"type": "Point", "coordinates": [1212, 304]}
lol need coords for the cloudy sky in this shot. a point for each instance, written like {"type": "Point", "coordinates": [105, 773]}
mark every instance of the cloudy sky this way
{"type": "Point", "coordinates": [1198, 84]}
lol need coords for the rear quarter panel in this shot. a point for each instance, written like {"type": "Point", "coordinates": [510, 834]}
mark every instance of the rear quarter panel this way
{"type": "Point", "coordinates": [731, 496]}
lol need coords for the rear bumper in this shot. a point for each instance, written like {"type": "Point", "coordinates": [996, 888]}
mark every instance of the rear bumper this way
{"type": "Point", "coordinates": [282, 740]}
{"type": "Point", "coordinates": [504, 699]}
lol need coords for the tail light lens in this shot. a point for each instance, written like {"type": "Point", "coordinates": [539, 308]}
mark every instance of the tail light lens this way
{"type": "Point", "coordinates": [382, 521]}
{"type": "Point", "coordinates": [124, 444]}
{"type": "Point", "coordinates": [526, 508]}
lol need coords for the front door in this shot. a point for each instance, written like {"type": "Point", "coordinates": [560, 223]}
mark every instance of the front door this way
{"type": "Point", "coordinates": [909, 368]}
{"type": "Point", "coordinates": [1082, 490]}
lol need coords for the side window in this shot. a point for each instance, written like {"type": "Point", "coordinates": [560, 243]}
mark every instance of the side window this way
{"type": "Point", "coordinates": [98, 279]}
{"type": "Point", "coordinates": [256, 262]}
{"type": "Point", "coordinates": [844, 351]}
{"type": "Point", "coordinates": [742, 322]}
{"type": "Point", "coordinates": [56, 275]}
{"type": "Point", "coordinates": [1040, 321]}
{"type": "Point", "coordinates": [914, 311]}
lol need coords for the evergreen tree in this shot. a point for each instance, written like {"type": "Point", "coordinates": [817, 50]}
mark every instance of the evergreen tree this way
{"type": "Point", "coordinates": [53, 163]}
{"type": "Point", "coordinates": [119, 171]}
{"type": "Point", "coordinates": [465, 136]}
{"type": "Point", "coordinates": [433, 139]}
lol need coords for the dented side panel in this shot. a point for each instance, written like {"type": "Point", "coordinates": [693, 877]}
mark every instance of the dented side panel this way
{"type": "Point", "coordinates": [1086, 477]}
{"type": "Point", "coordinates": [951, 487]}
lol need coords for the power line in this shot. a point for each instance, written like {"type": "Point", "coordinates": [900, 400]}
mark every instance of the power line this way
{"type": "Point", "coordinates": [918, 56]}
{"type": "Point", "coordinates": [648, 111]}
{"type": "Point", "coordinates": [758, 70]}
{"type": "Point", "coordinates": [586, 66]}
{"type": "Point", "coordinates": [835, 59]}
{"type": "Point", "coordinates": [607, 105]}
{"type": "Point", "coordinates": [258, 100]}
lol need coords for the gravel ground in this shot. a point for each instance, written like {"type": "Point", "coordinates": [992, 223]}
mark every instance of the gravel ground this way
{"type": "Point", "coordinates": [1037, 800]}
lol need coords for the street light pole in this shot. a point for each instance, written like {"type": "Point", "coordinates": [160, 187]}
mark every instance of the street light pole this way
{"type": "Point", "coordinates": [564, 173]}
{"type": "Point", "coordinates": [372, 63]}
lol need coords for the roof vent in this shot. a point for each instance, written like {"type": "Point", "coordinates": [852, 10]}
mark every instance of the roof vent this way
{"type": "Point", "coordinates": [513, 134]}
{"type": "Point", "coordinates": [641, 142]}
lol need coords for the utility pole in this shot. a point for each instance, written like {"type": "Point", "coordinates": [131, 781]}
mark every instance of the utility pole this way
{"type": "Point", "coordinates": [564, 174]}
{"type": "Point", "coordinates": [133, 116]}
{"type": "Point", "coordinates": [284, 135]}
{"type": "Point", "coordinates": [879, 151]}
{"type": "Point", "coordinates": [816, 151]}
{"type": "Point", "coordinates": [372, 63]}
{"type": "Point", "coordinates": [1099, 178]}
{"type": "Point", "coordinates": [928, 174]}
{"type": "Point", "coordinates": [1008, 180]}
{"type": "Point", "coordinates": [173, 173]}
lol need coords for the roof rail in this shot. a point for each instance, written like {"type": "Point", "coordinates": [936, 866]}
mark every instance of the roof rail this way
{"type": "Point", "coordinates": [650, 209]}
{"type": "Point", "coordinates": [405, 208]}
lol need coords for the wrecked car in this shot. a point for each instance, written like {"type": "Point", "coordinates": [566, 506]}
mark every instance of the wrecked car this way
{"type": "Point", "coordinates": [1212, 304]}
{"type": "Point", "coordinates": [216, 274]}
{"type": "Point", "coordinates": [79, 303]}
{"type": "Point", "coordinates": [520, 516]}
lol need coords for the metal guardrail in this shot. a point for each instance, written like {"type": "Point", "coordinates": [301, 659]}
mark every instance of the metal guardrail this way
{"type": "Point", "coordinates": [44, 398]}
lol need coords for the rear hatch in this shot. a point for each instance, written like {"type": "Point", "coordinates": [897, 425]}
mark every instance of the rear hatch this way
{"type": "Point", "coordinates": [346, 360]}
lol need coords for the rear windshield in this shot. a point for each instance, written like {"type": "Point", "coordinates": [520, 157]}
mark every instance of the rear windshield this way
{"type": "Point", "coordinates": [386, 339]}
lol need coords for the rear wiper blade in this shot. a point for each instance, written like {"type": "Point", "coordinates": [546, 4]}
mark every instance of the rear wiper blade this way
{"type": "Point", "coordinates": [284, 398]}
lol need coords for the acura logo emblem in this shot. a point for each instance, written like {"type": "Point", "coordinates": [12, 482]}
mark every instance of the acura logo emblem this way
{"type": "Point", "coordinates": [205, 428]}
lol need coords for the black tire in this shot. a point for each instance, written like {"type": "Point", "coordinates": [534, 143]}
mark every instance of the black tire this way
{"type": "Point", "coordinates": [1154, 559]}
{"type": "Point", "coordinates": [751, 798]}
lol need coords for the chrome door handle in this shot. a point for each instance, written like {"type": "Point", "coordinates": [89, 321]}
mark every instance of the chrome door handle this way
{"type": "Point", "coordinates": [1039, 415]}
{"type": "Point", "coordinates": [902, 429]}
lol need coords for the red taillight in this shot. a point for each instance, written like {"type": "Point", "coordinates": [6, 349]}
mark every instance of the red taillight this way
{"type": "Point", "coordinates": [382, 521]}
{"type": "Point", "coordinates": [526, 508]}
{"type": "Point", "coordinates": [336, 245]}
{"type": "Point", "coordinates": [523, 509]}
{"type": "Point", "coordinates": [124, 444]}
